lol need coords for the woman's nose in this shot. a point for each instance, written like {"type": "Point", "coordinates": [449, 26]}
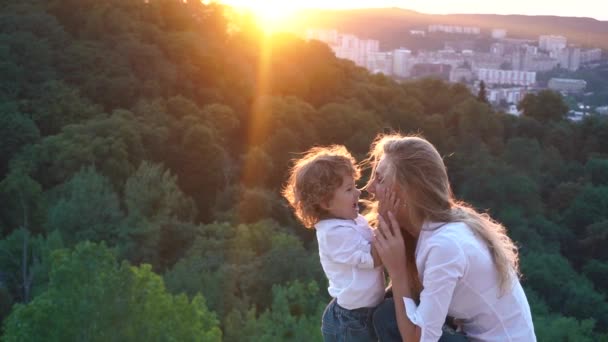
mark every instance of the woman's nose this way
{"type": "Point", "coordinates": [372, 188]}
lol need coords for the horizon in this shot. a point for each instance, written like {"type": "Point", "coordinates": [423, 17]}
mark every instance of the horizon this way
{"type": "Point", "coordinates": [580, 9]}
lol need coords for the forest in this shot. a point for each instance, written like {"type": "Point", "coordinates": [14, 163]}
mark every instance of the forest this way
{"type": "Point", "coordinates": [144, 144]}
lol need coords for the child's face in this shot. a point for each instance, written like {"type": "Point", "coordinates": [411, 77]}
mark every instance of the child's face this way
{"type": "Point", "coordinates": [345, 201]}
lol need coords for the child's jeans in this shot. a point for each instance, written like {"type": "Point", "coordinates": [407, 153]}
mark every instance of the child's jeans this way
{"type": "Point", "coordinates": [343, 325]}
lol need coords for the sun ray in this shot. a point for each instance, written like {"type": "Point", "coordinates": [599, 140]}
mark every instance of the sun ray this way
{"type": "Point", "coordinates": [271, 15]}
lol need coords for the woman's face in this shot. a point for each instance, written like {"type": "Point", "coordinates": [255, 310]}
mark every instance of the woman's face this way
{"type": "Point", "coordinates": [381, 181]}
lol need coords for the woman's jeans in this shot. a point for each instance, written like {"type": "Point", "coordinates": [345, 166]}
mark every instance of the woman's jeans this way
{"type": "Point", "coordinates": [385, 324]}
{"type": "Point", "coordinates": [343, 325]}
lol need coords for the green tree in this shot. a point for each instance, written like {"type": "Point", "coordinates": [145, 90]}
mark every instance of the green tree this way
{"type": "Point", "coordinates": [112, 144]}
{"type": "Point", "coordinates": [596, 271]}
{"type": "Point", "coordinates": [91, 297]}
{"type": "Point", "coordinates": [86, 208]}
{"type": "Point", "coordinates": [597, 169]}
{"type": "Point", "coordinates": [16, 131]}
{"type": "Point", "coordinates": [589, 206]}
{"type": "Point", "coordinates": [60, 105]}
{"type": "Point", "coordinates": [545, 106]}
{"type": "Point", "coordinates": [158, 226]}
{"type": "Point", "coordinates": [25, 260]}
{"type": "Point", "coordinates": [575, 296]}
{"type": "Point", "coordinates": [481, 95]}
{"type": "Point", "coordinates": [294, 316]}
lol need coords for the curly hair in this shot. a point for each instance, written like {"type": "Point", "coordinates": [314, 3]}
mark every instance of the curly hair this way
{"type": "Point", "coordinates": [314, 178]}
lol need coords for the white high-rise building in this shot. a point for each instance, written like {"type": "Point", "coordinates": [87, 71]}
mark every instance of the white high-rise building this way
{"type": "Point", "coordinates": [327, 36]}
{"type": "Point", "coordinates": [348, 48]}
{"type": "Point", "coordinates": [402, 62]}
{"type": "Point", "coordinates": [568, 58]}
{"type": "Point", "coordinates": [514, 77]}
{"type": "Point", "coordinates": [352, 48]}
{"type": "Point", "coordinates": [552, 43]}
{"type": "Point", "coordinates": [380, 62]}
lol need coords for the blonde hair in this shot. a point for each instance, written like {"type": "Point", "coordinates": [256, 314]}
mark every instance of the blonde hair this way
{"type": "Point", "coordinates": [417, 169]}
{"type": "Point", "coordinates": [314, 178]}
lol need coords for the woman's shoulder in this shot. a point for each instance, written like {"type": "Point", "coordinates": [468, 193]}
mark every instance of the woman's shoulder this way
{"type": "Point", "coordinates": [451, 231]}
{"type": "Point", "coordinates": [445, 235]}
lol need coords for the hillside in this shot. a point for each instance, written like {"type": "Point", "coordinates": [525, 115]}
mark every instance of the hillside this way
{"type": "Point", "coordinates": [391, 25]}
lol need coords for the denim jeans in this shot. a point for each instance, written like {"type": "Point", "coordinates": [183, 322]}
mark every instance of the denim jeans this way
{"type": "Point", "coordinates": [343, 325]}
{"type": "Point", "coordinates": [385, 324]}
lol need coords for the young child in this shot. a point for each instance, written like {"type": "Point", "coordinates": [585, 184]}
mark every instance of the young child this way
{"type": "Point", "coordinates": [322, 191]}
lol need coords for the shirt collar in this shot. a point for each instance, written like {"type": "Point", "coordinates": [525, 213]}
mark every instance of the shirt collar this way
{"type": "Point", "coordinates": [333, 222]}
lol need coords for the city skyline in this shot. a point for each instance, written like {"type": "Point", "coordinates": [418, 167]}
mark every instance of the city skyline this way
{"type": "Point", "coordinates": [581, 8]}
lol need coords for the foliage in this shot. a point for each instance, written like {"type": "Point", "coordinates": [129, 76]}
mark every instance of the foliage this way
{"type": "Point", "coordinates": [151, 127]}
{"type": "Point", "coordinates": [92, 297]}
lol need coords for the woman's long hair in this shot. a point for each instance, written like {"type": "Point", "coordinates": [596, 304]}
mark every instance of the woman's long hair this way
{"type": "Point", "coordinates": [418, 171]}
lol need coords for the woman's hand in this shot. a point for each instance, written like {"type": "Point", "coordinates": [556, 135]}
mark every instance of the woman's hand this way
{"type": "Point", "coordinates": [389, 243]}
{"type": "Point", "coordinates": [387, 201]}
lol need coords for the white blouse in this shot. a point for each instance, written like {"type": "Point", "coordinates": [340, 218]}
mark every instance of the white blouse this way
{"type": "Point", "coordinates": [459, 279]}
{"type": "Point", "coordinates": [345, 253]}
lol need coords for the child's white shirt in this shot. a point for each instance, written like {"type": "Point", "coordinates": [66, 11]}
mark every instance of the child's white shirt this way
{"type": "Point", "coordinates": [346, 258]}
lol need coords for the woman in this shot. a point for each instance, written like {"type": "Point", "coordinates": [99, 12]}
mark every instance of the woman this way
{"type": "Point", "coordinates": [443, 257]}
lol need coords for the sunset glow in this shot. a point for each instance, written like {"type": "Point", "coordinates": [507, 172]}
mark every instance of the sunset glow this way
{"type": "Point", "coordinates": [271, 14]}
{"type": "Point", "coordinates": [273, 11]}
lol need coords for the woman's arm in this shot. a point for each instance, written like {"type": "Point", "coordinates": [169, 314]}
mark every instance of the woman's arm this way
{"type": "Point", "coordinates": [444, 265]}
{"type": "Point", "coordinates": [408, 330]}
{"type": "Point", "coordinates": [391, 249]}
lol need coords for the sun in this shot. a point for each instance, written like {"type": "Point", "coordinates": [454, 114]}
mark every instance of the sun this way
{"type": "Point", "coordinates": [272, 15]}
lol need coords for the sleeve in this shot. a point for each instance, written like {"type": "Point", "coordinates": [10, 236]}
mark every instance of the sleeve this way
{"type": "Point", "coordinates": [345, 245]}
{"type": "Point", "coordinates": [444, 264]}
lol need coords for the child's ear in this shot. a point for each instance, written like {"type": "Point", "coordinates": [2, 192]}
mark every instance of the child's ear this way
{"type": "Point", "coordinates": [324, 204]}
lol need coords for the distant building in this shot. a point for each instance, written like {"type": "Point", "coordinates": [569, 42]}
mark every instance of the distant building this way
{"type": "Point", "coordinates": [512, 77]}
{"type": "Point", "coordinates": [352, 48]}
{"type": "Point", "coordinates": [576, 115]}
{"type": "Point", "coordinates": [421, 33]}
{"type": "Point", "coordinates": [602, 110]}
{"type": "Point", "coordinates": [487, 61]}
{"type": "Point", "coordinates": [539, 63]}
{"type": "Point", "coordinates": [327, 36]}
{"type": "Point", "coordinates": [434, 70]}
{"type": "Point", "coordinates": [568, 58]}
{"type": "Point", "coordinates": [591, 55]}
{"type": "Point", "coordinates": [402, 60]}
{"type": "Point", "coordinates": [499, 33]}
{"type": "Point", "coordinates": [497, 49]}
{"type": "Point", "coordinates": [509, 95]}
{"type": "Point", "coordinates": [513, 110]}
{"type": "Point", "coordinates": [454, 29]}
{"type": "Point", "coordinates": [461, 75]}
{"type": "Point", "coordinates": [380, 62]}
{"type": "Point", "coordinates": [568, 85]}
{"type": "Point", "coordinates": [552, 43]}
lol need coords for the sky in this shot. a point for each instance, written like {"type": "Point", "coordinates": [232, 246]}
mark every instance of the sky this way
{"type": "Point", "coordinates": [597, 9]}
